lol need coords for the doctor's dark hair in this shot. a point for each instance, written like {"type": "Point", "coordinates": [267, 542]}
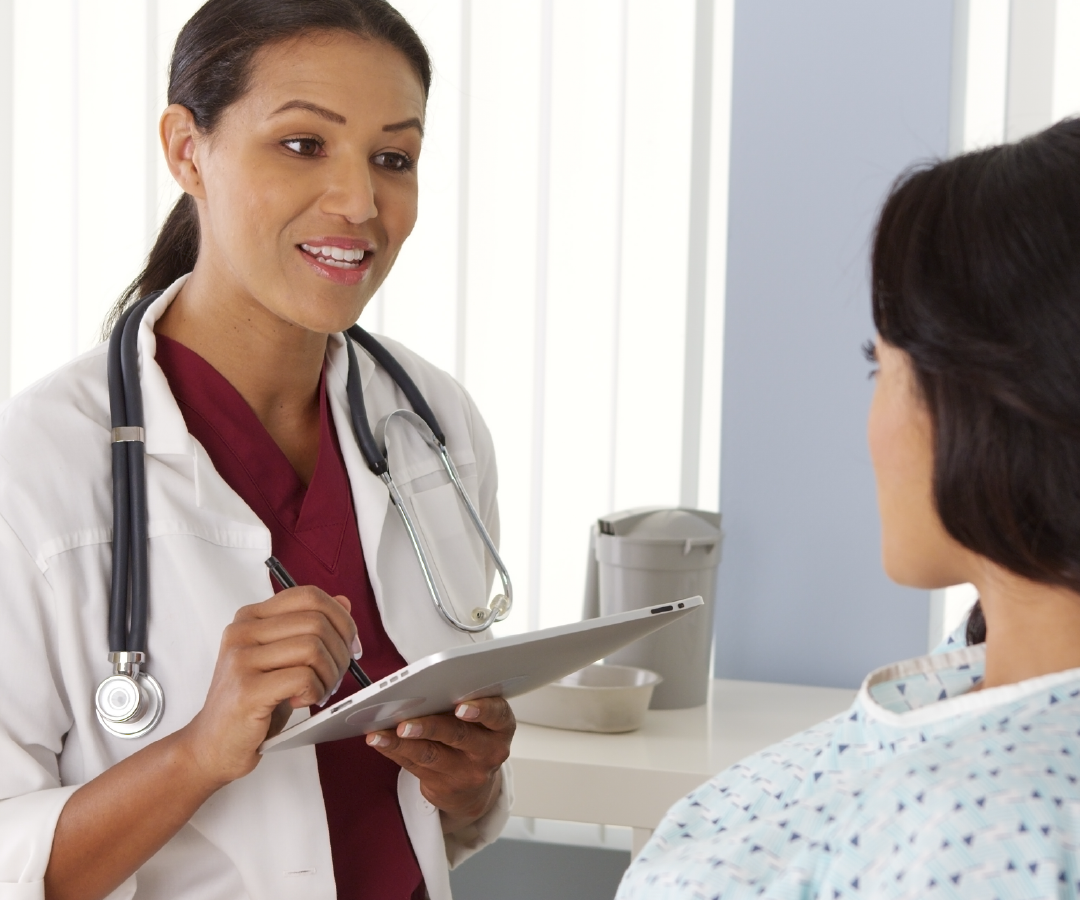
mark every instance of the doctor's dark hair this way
{"type": "Point", "coordinates": [976, 277]}
{"type": "Point", "coordinates": [210, 70]}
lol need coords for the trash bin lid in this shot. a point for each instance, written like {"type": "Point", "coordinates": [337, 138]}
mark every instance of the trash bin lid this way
{"type": "Point", "coordinates": [663, 524]}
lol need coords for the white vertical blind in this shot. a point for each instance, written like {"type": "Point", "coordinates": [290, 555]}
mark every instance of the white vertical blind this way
{"type": "Point", "coordinates": [507, 231]}
{"type": "Point", "coordinates": [110, 171]}
{"type": "Point", "coordinates": [708, 459]}
{"type": "Point", "coordinates": [1030, 91]}
{"type": "Point", "coordinates": [1066, 100]}
{"type": "Point", "coordinates": [7, 71]}
{"type": "Point", "coordinates": [567, 264]}
{"type": "Point", "coordinates": [44, 196]}
{"type": "Point", "coordinates": [562, 256]}
{"type": "Point", "coordinates": [986, 77]}
{"type": "Point", "coordinates": [584, 253]}
{"type": "Point", "coordinates": [89, 186]}
{"type": "Point", "coordinates": [1019, 54]}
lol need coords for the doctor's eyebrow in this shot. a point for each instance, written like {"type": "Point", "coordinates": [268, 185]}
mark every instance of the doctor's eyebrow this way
{"type": "Point", "coordinates": [339, 119]}
{"type": "Point", "coordinates": [321, 111]}
{"type": "Point", "coordinates": [406, 125]}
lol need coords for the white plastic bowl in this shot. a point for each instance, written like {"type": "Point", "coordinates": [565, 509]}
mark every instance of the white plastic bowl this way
{"type": "Point", "coordinates": [607, 699]}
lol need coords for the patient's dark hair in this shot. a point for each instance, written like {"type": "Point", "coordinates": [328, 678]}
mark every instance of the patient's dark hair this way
{"type": "Point", "coordinates": [976, 276]}
{"type": "Point", "coordinates": [210, 70]}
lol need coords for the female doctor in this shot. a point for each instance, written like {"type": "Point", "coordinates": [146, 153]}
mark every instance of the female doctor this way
{"type": "Point", "coordinates": [294, 130]}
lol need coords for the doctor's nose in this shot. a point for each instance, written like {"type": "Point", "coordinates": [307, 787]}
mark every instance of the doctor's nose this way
{"type": "Point", "coordinates": [351, 193]}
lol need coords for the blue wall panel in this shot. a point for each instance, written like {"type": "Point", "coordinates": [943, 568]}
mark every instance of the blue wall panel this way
{"type": "Point", "coordinates": [831, 100]}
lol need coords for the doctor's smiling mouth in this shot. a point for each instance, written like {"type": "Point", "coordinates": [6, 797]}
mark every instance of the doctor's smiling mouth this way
{"type": "Point", "coordinates": [344, 261]}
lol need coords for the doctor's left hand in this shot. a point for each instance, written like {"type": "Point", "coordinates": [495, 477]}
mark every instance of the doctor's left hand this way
{"type": "Point", "coordinates": [456, 757]}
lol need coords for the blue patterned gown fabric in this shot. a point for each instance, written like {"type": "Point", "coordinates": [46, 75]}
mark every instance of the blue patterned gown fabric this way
{"type": "Point", "coordinates": [921, 790]}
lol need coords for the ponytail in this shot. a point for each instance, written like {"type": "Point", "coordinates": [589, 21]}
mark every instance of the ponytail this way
{"type": "Point", "coordinates": [173, 255]}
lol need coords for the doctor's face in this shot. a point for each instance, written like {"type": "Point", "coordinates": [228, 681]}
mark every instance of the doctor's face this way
{"type": "Point", "coordinates": [307, 187]}
{"type": "Point", "coordinates": [916, 549]}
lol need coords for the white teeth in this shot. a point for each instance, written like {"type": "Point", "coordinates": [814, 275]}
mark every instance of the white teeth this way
{"type": "Point", "coordinates": [331, 255]}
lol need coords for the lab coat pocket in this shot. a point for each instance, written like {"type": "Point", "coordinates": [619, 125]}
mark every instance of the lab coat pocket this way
{"type": "Point", "coordinates": [454, 547]}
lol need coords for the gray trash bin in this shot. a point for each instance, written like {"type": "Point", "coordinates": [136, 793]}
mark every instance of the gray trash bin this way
{"type": "Point", "coordinates": [642, 557]}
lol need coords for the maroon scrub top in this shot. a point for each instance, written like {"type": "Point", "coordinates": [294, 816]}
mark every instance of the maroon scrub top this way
{"type": "Point", "coordinates": [313, 532]}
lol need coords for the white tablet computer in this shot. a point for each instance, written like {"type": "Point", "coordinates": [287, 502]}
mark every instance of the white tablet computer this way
{"type": "Point", "coordinates": [503, 667]}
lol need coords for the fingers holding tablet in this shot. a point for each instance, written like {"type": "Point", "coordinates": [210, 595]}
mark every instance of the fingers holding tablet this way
{"type": "Point", "coordinates": [456, 757]}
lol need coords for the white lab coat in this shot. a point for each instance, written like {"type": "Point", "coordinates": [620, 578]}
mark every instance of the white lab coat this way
{"type": "Point", "coordinates": [264, 836]}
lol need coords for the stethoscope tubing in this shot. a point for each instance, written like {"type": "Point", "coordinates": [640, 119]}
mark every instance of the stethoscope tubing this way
{"type": "Point", "coordinates": [138, 499]}
{"type": "Point", "coordinates": [423, 420]}
{"type": "Point", "coordinates": [129, 592]}
{"type": "Point", "coordinates": [402, 379]}
{"type": "Point", "coordinates": [130, 586]}
{"type": "Point", "coordinates": [121, 538]}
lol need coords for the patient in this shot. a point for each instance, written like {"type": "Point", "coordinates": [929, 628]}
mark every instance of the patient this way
{"type": "Point", "coordinates": [955, 774]}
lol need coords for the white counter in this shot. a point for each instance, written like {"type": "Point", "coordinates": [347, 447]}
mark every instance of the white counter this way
{"type": "Point", "coordinates": [632, 779]}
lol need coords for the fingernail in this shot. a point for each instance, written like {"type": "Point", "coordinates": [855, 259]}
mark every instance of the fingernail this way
{"type": "Point", "coordinates": [333, 691]}
{"type": "Point", "coordinates": [376, 740]}
{"type": "Point", "coordinates": [357, 650]}
{"type": "Point", "coordinates": [465, 711]}
{"type": "Point", "coordinates": [411, 729]}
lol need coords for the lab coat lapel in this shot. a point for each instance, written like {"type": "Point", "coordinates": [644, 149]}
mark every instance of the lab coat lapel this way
{"type": "Point", "coordinates": [168, 442]}
{"type": "Point", "coordinates": [370, 498]}
{"type": "Point", "coordinates": [166, 431]}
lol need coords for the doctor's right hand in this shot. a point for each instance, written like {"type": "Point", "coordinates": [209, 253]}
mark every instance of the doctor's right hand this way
{"type": "Point", "coordinates": [279, 655]}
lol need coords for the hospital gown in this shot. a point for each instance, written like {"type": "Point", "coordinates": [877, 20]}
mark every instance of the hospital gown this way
{"type": "Point", "coordinates": [921, 789]}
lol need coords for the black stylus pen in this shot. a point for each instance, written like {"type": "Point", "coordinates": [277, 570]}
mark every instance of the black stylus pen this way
{"type": "Point", "coordinates": [286, 581]}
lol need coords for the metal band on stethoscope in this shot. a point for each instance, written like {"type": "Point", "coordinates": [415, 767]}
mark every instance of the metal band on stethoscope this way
{"type": "Point", "coordinates": [127, 434]}
{"type": "Point", "coordinates": [130, 702]}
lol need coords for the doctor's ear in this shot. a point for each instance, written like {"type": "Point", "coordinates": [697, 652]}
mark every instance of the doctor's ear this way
{"type": "Point", "coordinates": [179, 140]}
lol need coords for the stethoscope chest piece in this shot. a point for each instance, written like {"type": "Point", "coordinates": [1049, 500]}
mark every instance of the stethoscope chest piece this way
{"type": "Point", "coordinates": [129, 703]}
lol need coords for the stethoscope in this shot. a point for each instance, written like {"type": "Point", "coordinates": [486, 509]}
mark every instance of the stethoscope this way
{"type": "Point", "coordinates": [130, 702]}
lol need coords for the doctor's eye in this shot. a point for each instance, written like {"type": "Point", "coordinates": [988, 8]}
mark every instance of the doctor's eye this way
{"type": "Point", "coordinates": [869, 351]}
{"type": "Point", "coordinates": [304, 146]}
{"type": "Point", "coordinates": [395, 162]}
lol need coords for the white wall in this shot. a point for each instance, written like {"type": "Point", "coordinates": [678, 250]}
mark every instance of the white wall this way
{"type": "Point", "coordinates": [567, 266]}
